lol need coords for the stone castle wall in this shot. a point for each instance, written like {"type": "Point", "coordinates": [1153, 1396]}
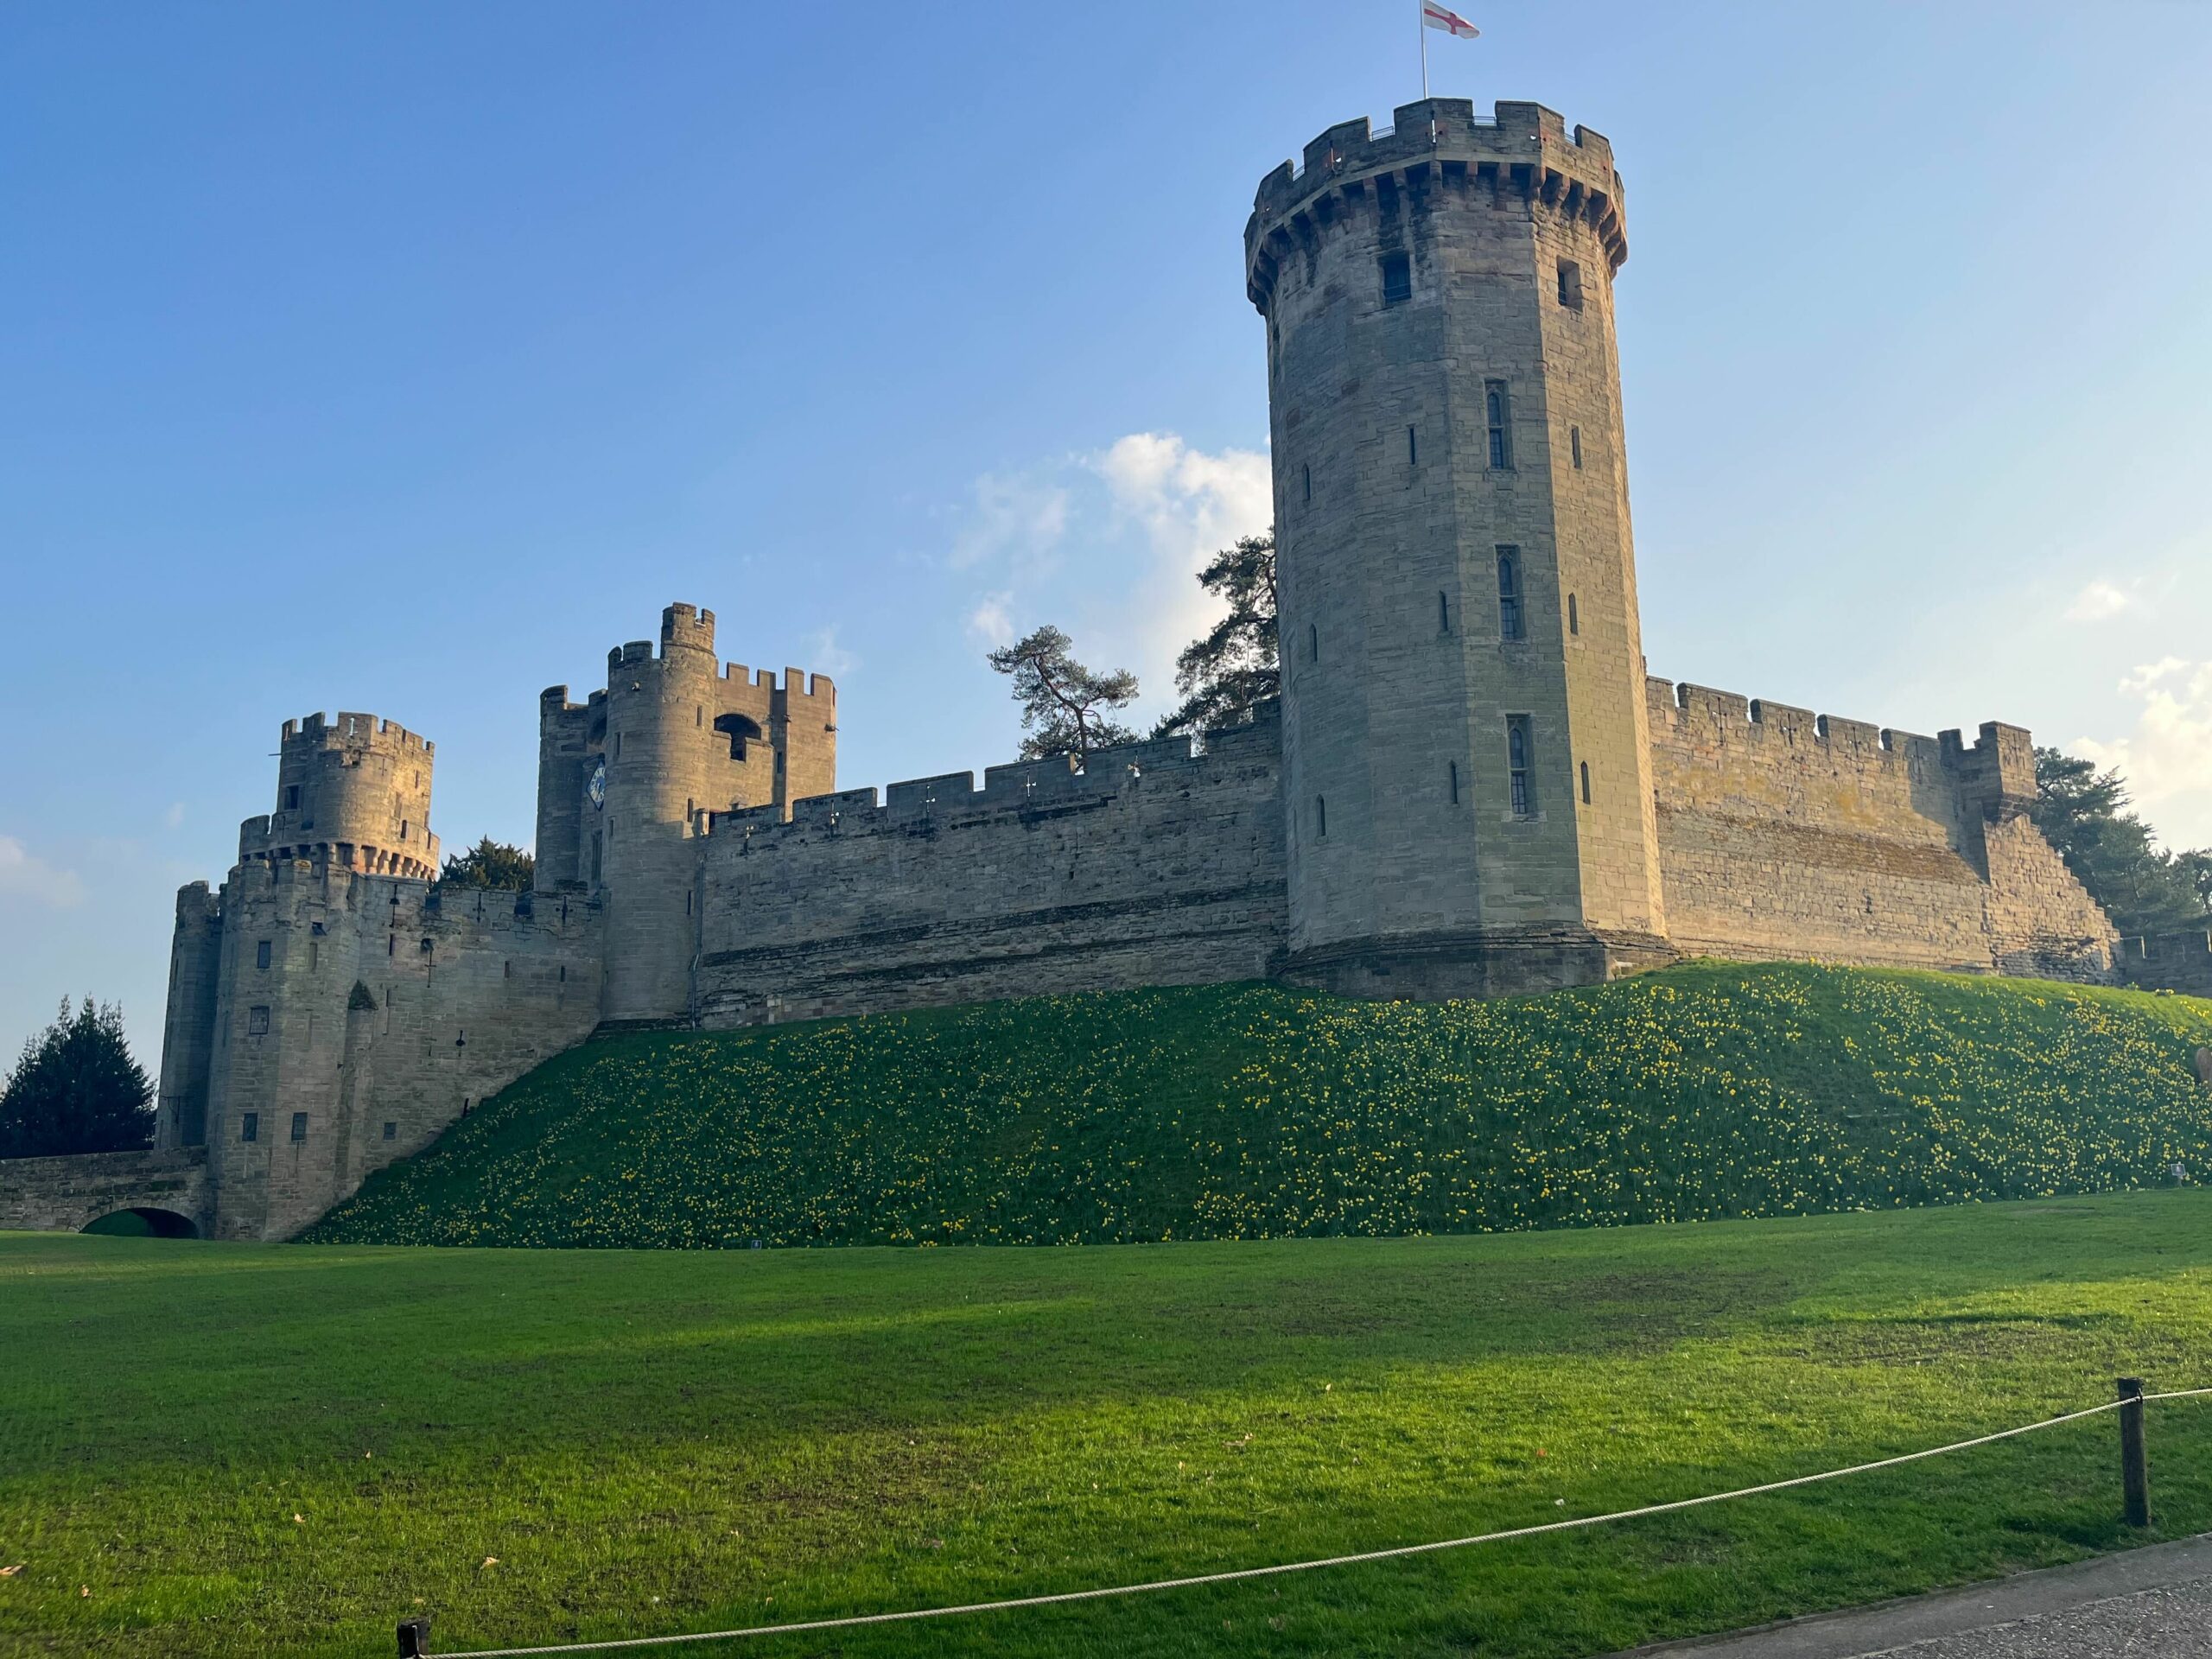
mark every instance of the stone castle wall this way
{"type": "Point", "coordinates": [384, 1010]}
{"type": "Point", "coordinates": [1154, 867]}
{"type": "Point", "coordinates": [1784, 833]}
{"type": "Point", "coordinates": [2170, 961]}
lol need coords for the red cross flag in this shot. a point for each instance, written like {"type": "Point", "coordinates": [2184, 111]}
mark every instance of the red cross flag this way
{"type": "Point", "coordinates": [1435, 17]}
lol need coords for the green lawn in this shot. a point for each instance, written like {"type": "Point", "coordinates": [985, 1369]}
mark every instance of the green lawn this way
{"type": "Point", "coordinates": [1246, 1111]}
{"type": "Point", "coordinates": [662, 1440]}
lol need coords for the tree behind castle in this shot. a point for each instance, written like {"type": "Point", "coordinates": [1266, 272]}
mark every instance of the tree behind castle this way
{"type": "Point", "coordinates": [489, 863]}
{"type": "Point", "coordinates": [2112, 853]}
{"type": "Point", "coordinates": [77, 1089]}
{"type": "Point", "coordinates": [1064, 706]}
{"type": "Point", "coordinates": [1235, 665]}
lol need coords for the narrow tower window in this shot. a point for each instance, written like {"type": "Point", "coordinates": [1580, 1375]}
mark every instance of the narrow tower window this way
{"type": "Point", "coordinates": [1574, 442]}
{"type": "Point", "coordinates": [1585, 783]}
{"type": "Point", "coordinates": [1313, 642]}
{"type": "Point", "coordinates": [1413, 446]}
{"type": "Point", "coordinates": [299, 1126]}
{"type": "Point", "coordinates": [1570, 284]}
{"type": "Point", "coordinates": [1443, 614]}
{"type": "Point", "coordinates": [390, 1130]}
{"type": "Point", "coordinates": [1509, 592]}
{"type": "Point", "coordinates": [1497, 409]}
{"type": "Point", "coordinates": [291, 798]}
{"type": "Point", "coordinates": [1397, 278]}
{"type": "Point", "coordinates": [250, 1126]}
{"type": "Point", "coordinates": [1306, 471]}
{"type": "Point", "coordinates": [1320, 818]}
{"type": "Point", "coordinates": [1455, 783]}
{"type": "Point", "coordinates": [261, 954]}
{"type": "Point", "coordinates": [1517, 765]}
{"type": "Point", "coordinates": [1574, 615]}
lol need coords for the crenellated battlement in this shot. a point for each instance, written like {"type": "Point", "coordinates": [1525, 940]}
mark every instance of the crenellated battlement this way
{"type": "Point", "coordinates": [354, 730]}
{"type": "Point", "coordinates": [1700, 712]}
{"type": "Point", "coordinates": [1016, 787]}
{"type": "Point", "coordinates": [1522, 150]}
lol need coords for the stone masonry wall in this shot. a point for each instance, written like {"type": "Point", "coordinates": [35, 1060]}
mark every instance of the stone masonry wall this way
{"type": "Point", "coordinates": [63, 1195]}
{"type": "Point", "coordinates": [1785, 834]}
{"type": "Point", "coordinates": [2170, 961]}
{"type": "Point", "coordinates": [385, 1011]}
{"type": "Point", "coordinates": [1154, 868]}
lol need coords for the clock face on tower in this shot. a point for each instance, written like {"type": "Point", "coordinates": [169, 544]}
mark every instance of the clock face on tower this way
{"type": "Point", "coordinates": [597, 787]}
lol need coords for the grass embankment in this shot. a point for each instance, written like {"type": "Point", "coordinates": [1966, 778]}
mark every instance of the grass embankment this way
{"type": "Point", "coordinates": [223, 1450]}
{"type": "Point", "coordinates": [1251, 1111]}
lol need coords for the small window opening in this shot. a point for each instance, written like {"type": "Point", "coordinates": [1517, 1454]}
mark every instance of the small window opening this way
{"type": "Point", "coordinates": [1585, 783]}
{"type": "Point", "coordinates": [256, 1020]}
{"type": "Point", "coordinates": [698, 715]}
{"type": "Point", "coordinates": [291, 798]}
{"type": "Point", "coordinates": [739, 731]}
{"type": "Point", "coordinates": [1313, 642]}
{"type": "Point", "coordinates": [250, 1126]}
{"type": "Point", "coordinates": [1455, 783]}
{"type": "Point", "coordinates": [687, 904]}
{"type": "Point", "coordinates": [1574, 444]}
{"type": "Point", "coordinates": [1307, 471]}
{"type": "Point", "coordinates": [1497, 410]}
{"type": "Point", "coordinates": [1509, 592]}
{"type": "Point", "coordinates": [1574, 615]}
{"type": "Point", "coordinates": [1413, 446]}
{"type": "Point", "coordinates": [618, 745]}
{"type": "Point", "coordinates": [1320, 818]}
{"type": "Point", "coordinates": [1443, 614]}
{"type": "Point", "coordinates": [506, 970]}
{"type": "Point", "coordinates": [299, 1126]}
{"type": "Point", "coordinates": [391, 944]}
{"type": "Point", "coordinates": [564, 973]}
{"type": "Point", "coordinates": [390, 1130]}
{"type": "Point", "coordinates": [261, 954]}
{"type": "Point", "coordinates": [1570, 284]}
{"type": "Point", "coordinates": [1397, 278]}
{"type": "Point", "coordinates": [314, 956]}
{"type": "Point", "coordinates": [403, 829]}
{"type": "Point", "coordinates": [1517, 752]}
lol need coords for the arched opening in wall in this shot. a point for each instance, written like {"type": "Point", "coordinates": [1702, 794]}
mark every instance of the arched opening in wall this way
{"type": "Point", "coordinates": [143, 1221]}
{"type": "Point", "coordinates": [740, 730]}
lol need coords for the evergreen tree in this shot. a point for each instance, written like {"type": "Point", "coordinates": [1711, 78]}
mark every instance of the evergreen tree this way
{"type": "Point", "coordinates": [1237, 664]}
{"type": "Point", "coordinates": [2083, 812]}
{"type": "Point", "coordinates": [1063, 704]}
{"type": "Point", "coordinates": [77, 1089]}
{"type": "Point", "coordinates": [490, 863]}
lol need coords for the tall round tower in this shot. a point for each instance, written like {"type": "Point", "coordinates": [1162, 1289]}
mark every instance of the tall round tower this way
{"type": "Point", "coordinates": [1467, 777]}
{"type": "Point", "coordinates": [356, 792]}
{"type": "Point", "coordinates": [659, 748]}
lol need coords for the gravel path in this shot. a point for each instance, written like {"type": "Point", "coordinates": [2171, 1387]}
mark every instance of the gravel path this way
{"type": "Point", "coordinates": [2154, 1603]}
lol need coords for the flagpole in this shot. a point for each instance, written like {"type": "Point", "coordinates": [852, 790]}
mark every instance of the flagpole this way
{"type": "Point", "coordinates": [1421, 27]}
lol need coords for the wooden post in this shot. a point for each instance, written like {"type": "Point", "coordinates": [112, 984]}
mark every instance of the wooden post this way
{"type": "Point", "coordinates": [414, 1638]}
{"type": "Point", "coordinates": [2134, 1466]}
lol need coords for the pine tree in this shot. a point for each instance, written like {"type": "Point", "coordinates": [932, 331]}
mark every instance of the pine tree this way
{"type": "Point", "coordinates": [1063, 704]}
{"type": "Point", "coordinates": [1236, 665]}
{"type": "Point", "coordinates": [77, 1089]}
{"type": "Point", "coordinates": [491, 864]}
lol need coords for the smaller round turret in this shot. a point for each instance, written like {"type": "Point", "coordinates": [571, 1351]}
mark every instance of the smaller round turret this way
{"type": "Point", "coordinates": [354, 793]}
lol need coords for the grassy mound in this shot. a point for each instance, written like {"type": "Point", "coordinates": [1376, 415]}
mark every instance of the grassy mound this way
{"type": "Point", "coordinates": [282, 1452]}
{"type": "Point", "coordinates": [1706, 1092]}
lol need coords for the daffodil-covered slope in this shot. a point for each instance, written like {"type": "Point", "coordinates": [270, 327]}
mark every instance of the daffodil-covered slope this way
{"type": "Point", "coordinates": [1250, 1110]}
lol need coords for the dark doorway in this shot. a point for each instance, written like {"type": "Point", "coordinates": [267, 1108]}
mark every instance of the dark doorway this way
{"type": "Point", "coordinates": [143, 1223]}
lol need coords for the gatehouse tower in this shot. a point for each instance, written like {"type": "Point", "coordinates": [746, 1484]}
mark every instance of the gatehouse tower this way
{"type": "Point", "coordinates": [1467, 773]}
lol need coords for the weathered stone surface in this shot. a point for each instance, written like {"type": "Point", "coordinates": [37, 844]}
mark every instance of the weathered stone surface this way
{"type": "Point", "coordinates": [63, 1195]}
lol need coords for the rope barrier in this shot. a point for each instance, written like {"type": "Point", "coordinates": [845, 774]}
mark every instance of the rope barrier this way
{"type": "Point", "coordinates": [1238, 1574]}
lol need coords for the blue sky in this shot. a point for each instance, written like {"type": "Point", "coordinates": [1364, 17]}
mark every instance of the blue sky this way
{"type": "Point", "coordinates": [405, 358]}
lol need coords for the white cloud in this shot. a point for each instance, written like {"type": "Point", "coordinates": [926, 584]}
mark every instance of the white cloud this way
{"type": "Point", "coordinates": [826, 656]}
{"type": "Point", "coordinates": [1014, 517]}
{"type": "Point", "coordinates": [2167, 758]}
{"type": "Point", "coordinates": [992, 620]}
{"type": "Point", "coordinates": [2100, 601]}
{"type": "Point", "coordinates": [23, 876]}
{"type": "Point", "coordinates": [1191, 504]}
{"type": "Point", "coordinates": [174, 816]}
{"type": "Point", "coordinates": [1107, 545]}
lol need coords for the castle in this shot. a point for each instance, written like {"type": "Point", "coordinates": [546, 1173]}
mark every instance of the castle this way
{"type": "Point", "coordinates": [1468, 787]}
